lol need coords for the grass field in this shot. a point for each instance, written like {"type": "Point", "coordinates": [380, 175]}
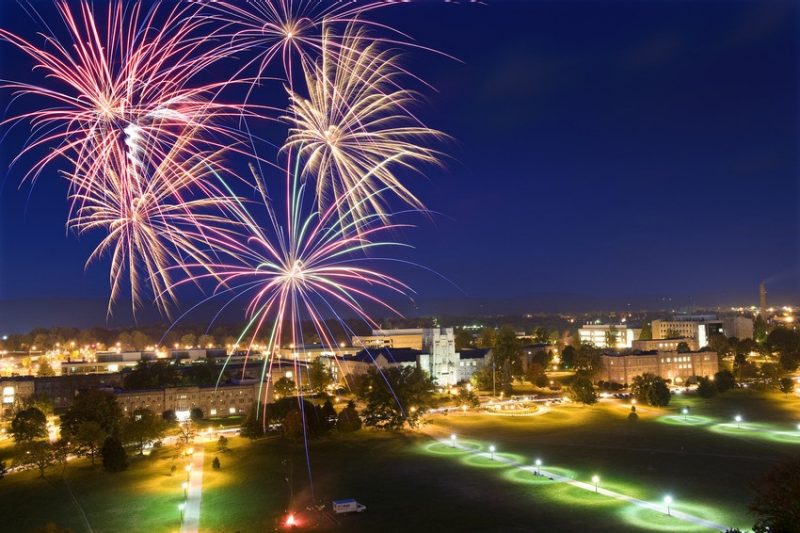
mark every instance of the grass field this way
{"type": "Point", "coordinates": [142, 498]}
{"type": "Point", "coordinates": [411, 482]}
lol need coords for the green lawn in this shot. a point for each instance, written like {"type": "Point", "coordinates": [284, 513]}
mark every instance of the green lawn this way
{"type": "Point", "coordinates": [142, 498]}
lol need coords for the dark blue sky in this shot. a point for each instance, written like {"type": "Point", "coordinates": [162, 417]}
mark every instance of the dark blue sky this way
{"type": "Point", "coordinates": [618, 151]}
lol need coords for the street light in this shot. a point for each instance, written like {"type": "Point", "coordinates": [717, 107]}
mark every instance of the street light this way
{"type": "Point", "coordinates": [685, 412]}
{"type": "Point", "coordinates": [491, 449]}
{"type": "Point", "coordinates": [738, 421]}
{"type": "Point", "coordinates": [464, 408]}
{"type": "Point", "coordinates": [181, 507]}
{"type": "Point", "coordinates": [668, 502]}
{"type": "Point", "coordinates": [538, 467]}
{"type": "Point", "coordinates": [453, 439]}
{"type": "Point", "coordinates": [596, 481]}
{"type": "Point", "coordinates": [185, 486]}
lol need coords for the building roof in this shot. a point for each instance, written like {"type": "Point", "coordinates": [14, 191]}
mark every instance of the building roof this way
{"type": "Point", "coordinates": [393, 355]}
{"type": "Point", "coordinates": [477, 353]}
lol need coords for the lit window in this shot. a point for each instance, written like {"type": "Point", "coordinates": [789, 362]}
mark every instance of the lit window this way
{"type": "Point", "coordinates": [213, 412]}
{"type": "Point", "coordinates": [232, 410]}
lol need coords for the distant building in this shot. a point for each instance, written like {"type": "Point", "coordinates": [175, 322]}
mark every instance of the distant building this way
{"type": "Point", "coordinates": [58, 389]}
{"type": "Point", "coordinates": [530, 350]}
{"type": "Point", "coordinates": [674, 366]}
{"type": "Point", "coordinates": [613, 336]}
{"type": "Point", "coordinates": [471, 361]}
{"type": "Point", "coordinates": [664, 345]}
{"type": "Point", "coordinates": [214, 402]}
{"type": "Point", "coordinates": [740, 327]}
{"type": "Point", "coordinates": [699, 327]}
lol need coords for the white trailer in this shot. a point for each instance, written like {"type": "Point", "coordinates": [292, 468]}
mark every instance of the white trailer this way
{"type": "Point", "coordinates": [348, 506]}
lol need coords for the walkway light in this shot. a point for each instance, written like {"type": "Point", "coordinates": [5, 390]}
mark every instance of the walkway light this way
{"type": "Point", "coordinates": [491, 449]}
{"type": "Point", "coordinates": [538, 467]}
{"type": "Point", "coordinates": [184, 486]}
{"type": "Point", "coordinates": [181, 507]}
{"type": "Point", "coordinates": [738, 421]}
{"type": "Point", "coordinates": [668, 502]}
{"type": "Point", "coordinates": [596, 481]}
{"type": "Point", "coordinates": [685, 412]}
{"type": "Point", "coordinates": [453, 439]}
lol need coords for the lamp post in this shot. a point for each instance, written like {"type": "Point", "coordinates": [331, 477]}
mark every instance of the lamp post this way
{"type": "Point", "coordinates": [464, 409]}
{"type": "Point", "coordinates": [685, 412]}
{"type": "Point", "coordinates": [668, 502]}
{"type": "Point", "coordinates": [453, 440]}
{"type": "Point", "coordinates": [596, 481]}
{"type": "Point", "coordinates": [491, 450]}
{"type": "Point", "coordinates": [181, 507]}
{"type": "Point", "coordinates": [738, 421]}
{"type": "Point", "coordinates": [185, 486]}
{"type": "Point", "coordinates": [538, 467]}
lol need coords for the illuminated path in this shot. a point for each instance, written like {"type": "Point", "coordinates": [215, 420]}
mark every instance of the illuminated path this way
{"type": "Point", "coordinates": [191, 513]}
{"type": "Point", "coordinates": [659, 508]}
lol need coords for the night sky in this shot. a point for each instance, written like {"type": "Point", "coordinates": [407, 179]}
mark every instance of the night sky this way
{"type": "Point", "coordinates": [618, 152]}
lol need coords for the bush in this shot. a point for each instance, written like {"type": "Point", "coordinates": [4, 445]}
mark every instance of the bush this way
{"type": "Point", "coordinates": [632, 416]}
{"type": "Point", "coordinates": [196, 413]}
{"type": "Point", "coordinates": [169, 415]}
{"type": "Point", "coordinates": [724, 380]}
{"type": "Point", "coordinates": [706, 388]}
{"type": "Point", "coordinates": [114, 457]}
{"type": "Point", "coordinates": [349, 420]}
{"type": "Point", "coordinates": [651, 389]}
{"type": "Point", "coordinates": [215, 463]}
{"type": "Point", "coordinates": [581, 390]}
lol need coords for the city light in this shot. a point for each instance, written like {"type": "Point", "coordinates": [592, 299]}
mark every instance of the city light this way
{"type": "Point", "coordinates": [668, 502]}
{"type": "Point", "coordinates": [596, 481]}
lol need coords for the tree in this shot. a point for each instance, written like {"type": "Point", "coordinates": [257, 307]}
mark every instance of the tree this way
{"type": "Point", "coordinates": [611, 337]}
{"type": "Point", "coordinates": [206, 341]}
{"type": "Point", "coordinates": [542, 358]}
{"type": "Point", "coordinates": [92, 405]}
{"type": "Point", "coordinates": [139, 341]}
{"type": "Point", "coordinates": [759, 329]}
{"type": "Point", "coordinates": [785, 343]}
{"type": "Point", "coordinates": [771, 374]}
{"type": "Point", "coordinates": [222, 443]}
{"type": "Point", "coordinates": [786, 385]}
{"type": "Point", "coordinates": [719, 343]}
{"type": "Point", "coordinates": [468, 398]}
{"type": "Point", "coordinates": [189, 340]}
{"type": "Point", "coordinates": [581, 390]}
{"type": "Point", "coordinates": [142, 428]}
{"type": "Point", "coordinates": [253, 425]}
{"type": "Point", "coordinates": [28, 425]}
{"type": "Point", "coordinates": [683, 347]}
{"type": "Point", "coordinates": [463, 339]}
{"type": "Point", "coordinates": [506, 356]}
{"type": "Point", "coordinates": [328, 414]}
{"type": "Point", "coordinates": [398, 396]}
{"type": "Point", "coordinates": [724, 380]}
{"type": "Point", "coordinates": [114, 457]}
{"type": "Point", "coordinates": [319, 377]}
{"type": "Point", "coordinates": [487, 338]}
{"type": "Point", "coordinates": [36, 453]}
{"type": "Point", "coordinates": [196, 414]}
{"type": "Point", "coordinates": [541, 335]}
{"type": "Point", "coordinates": [777, 500]}
{"type": "Point", "coordinates": [39, 401]}
{"type": "Point", "coordinates": [533, 373]}
{"type": "Point", "coordinates": [348, 420]}
{"type": "Point", "coordinates": [588, 359]}
{"type": "Point", "coordinates": [284, 387]}
{"type": "Point", "coordinates": [45, 369]}
{"type": "Point", "coordinates": [706, 388]}
{"type": "Point", "coordinates": [568, 357]}
{"type": "Point", "coordinates": [90, 437]}
{"type": "Point", "coordinates": [647, 332]}
{"type": "Point", "coordinates": [155, 375]}
{"type": "Point", "coordinates": [215, 464]}
{"type": "Point", "coordinates": [651, 389]}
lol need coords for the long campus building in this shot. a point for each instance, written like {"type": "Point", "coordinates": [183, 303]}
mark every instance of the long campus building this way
{"type": "Point", "coordinates": [674, 366]}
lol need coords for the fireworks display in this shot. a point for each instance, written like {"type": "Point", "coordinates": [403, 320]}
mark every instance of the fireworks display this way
{"type": "Point", "coordinates": [132, 114]}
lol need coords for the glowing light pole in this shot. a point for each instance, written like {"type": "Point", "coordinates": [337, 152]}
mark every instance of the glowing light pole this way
{"type": "Point", "coordinates": [685, 412]}
{"type": "Point", "coordinates": [538, 467]}
{"type": "Point", "coordinates": [185, 486]}
{"type": "Point", "coordinates": [668, 502]}
{"type": "Point", "coordinates": [491, 450]}
{"type": "Point", "coordinates": [798, 427]}
{"type": "Point", "coordinates": [596, 481]}
{"type": "Point", "coordinates": [464, 409]}
{"type": "Point", "coordinates": [738, 421]}
{"type": "Point", "coordinates": [181, 507]}
{"type": "Point", "coordinates": [453, 440]}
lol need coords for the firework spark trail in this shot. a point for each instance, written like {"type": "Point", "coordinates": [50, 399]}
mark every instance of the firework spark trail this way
{"type": "Point", "coordinates": [124, 78]}
{"type": "Point", "coordinates": [153, 223]}
{"type": "Point", "coordinates": [356, 122]}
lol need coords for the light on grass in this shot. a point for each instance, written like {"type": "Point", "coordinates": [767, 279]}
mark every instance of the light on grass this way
{"type": "Point", "coordinates": [738, 420]}
{"type": "Point", "coordinates": [668, 502]}
{"type": "Point", "coordinates": [538, 467]}
{"type": "Point", "coordinates": [685, 412]}
{"type": "Point", "coordinates": [453, 439]}
{"type": "Point", "coordinates": [595, 481]}
{"type": "Point", "coordinates": [491, 450]}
